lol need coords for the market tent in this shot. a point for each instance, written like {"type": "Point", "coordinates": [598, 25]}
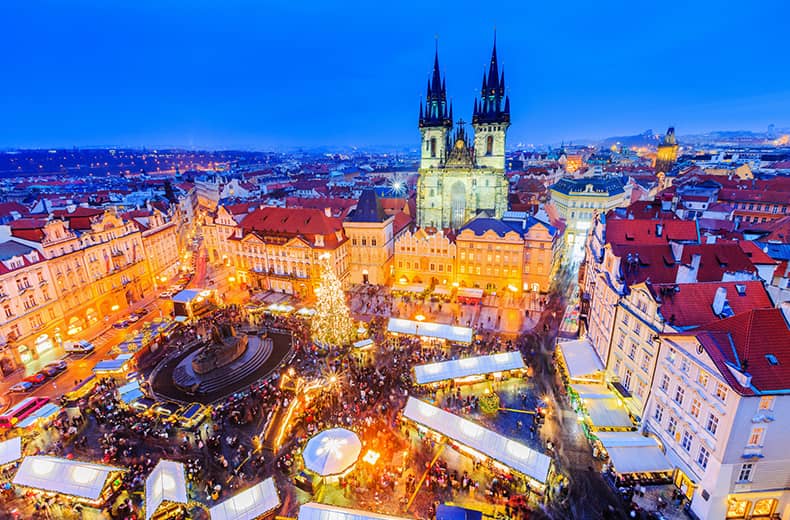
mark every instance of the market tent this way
{"type": "Point", "coordinates": [433, 330]}
{"type": "Point", "coordinates": [592, 391]}
{"type": "Point", "coordinates": [305, 311]}
{"type": "Point", "coordinates": [624, 440]}
{"type": "Point", "coordinates": [511, 453]}
{"type": "Point", "coordinates": [465, 367]}
{"type": "Point", "coordinates": [363, 343]}
{"type": "Point", "coordinates": [445, 512]}
{"type": "Point", "coordinates": [607, 413]}
{"type": "Point", "coordinates": [580, 358]}
{"type": "Point", "coordinates": [470, 292]}
{"type": "Point", "coordinates": [441, 290]}
{"type": "Point", "coordinates": [10, 450]}
{"type": "Point", "coordinates": [315, 511]}
{"type": "Point", "coordinates": [130, 392]}
{"type": "Point", "coordinates": [248, 504]}
{"type": "Point", "coordinates": [45, 412]}
{"type": "Point", "coordinates": [416, 288]}
{"type": "Point", "coordinates": [631, 452]}
{"type": "Point", "coordinates": [332, 452]}
{"type": "Point", "coordinates": [186, 296]}
{"type": "Point", "coordinates": [165, 483]}
{"type": "Point", "coordinates": [69, 477]}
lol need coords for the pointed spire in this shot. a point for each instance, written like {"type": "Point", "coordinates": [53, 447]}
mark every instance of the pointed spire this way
{"type": "Point", "coordinates": [451, 112]}
{"type": "Point", "coordinates": [421, 110]}
{"type": "Point", "coordinates": [507, 104]}
{"type": "Point", "coordinates": [502, 83]}
{"type": "Point", "coordinates": [493, 70]}
{"type": "Point", "coordinates": [475, 109]}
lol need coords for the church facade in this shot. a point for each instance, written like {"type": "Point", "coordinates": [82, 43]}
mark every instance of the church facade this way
{"type": "Point", "coordinates": [461, 176]}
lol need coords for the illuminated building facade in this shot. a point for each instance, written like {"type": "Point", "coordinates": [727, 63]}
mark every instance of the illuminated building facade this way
{"type": "Point", "coordinates": [370, 231]}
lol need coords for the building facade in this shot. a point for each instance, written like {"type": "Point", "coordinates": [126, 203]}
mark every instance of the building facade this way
{"type": "Point", "coordinates": [372, 249]}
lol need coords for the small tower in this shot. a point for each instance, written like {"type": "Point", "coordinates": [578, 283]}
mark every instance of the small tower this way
{"type": "Point", "coordinates": [436, 120]}
{"type": "Point", "coordinates": [491, 117]}
{"type": "Point", "coordinates": [667, 154]}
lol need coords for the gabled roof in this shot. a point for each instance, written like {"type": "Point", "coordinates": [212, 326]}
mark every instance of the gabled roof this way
{"type": "Point", "coordinates": [368, 208]}
{"type": "Point", "coordinates": [751, 342]}
{"type": "Point", "coordinates": [292, 222]}
{"type": "Point", "coordinates": [650, 231]}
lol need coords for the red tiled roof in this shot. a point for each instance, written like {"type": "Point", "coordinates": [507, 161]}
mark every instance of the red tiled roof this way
{"type": "Point", "coordinates": [760, 196]}
{"type": "Point", "coordinates": [744, 341]}
{"type": "Point", "coordinates": [293, 222]}
{"type": "Point", "coordinates": [7, 207]}
{"type": "Point", "coordinates": [643, 231]}
{"type": "Point", "coordinates": [755, 254]}
{"type": "Point", "coordinates": [691, 304]}
{"type": "Point", "coordinates": [400, 221]}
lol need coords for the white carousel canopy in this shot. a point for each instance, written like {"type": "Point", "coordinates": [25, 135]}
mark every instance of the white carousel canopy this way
{"type": "Point", "coordinates": [69, 477]}
{"type": "Point", "coordinates": [165, 483]}
{"type": "Point", "coordinates": [332, 452]}
{"type": "Point", "coordinates": [10, 450]}
{"type": "Point", "coordinates": [511, 453]}
{"type": "Point", "coordinates": [248, 504]}
{"type": "Point", "coordinates": [471, 366]}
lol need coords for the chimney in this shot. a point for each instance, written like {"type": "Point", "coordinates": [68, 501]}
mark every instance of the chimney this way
{"type": "Point", "coordinates": [719, 300]}
{"type": "Point", "coordinates": [677, 251]}
{"type": "Point", "coordinates": [328, 212]}
{"type": "Point", "coordinates": [659, 229]}
{"type": "Point", "coordinates": [688, 273]}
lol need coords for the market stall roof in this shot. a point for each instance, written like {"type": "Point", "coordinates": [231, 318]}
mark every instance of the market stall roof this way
{"type": "Point", "coordinates": [69, 477]}
{"type": "Point", "coordinates": [607, 413]}
{"type": "Point", "coordinates": [638, 459]}
{"type": "Point", "coordinates": [45, 412]}
{"type": "Point", "coordinates": [315, 511]}
{"type": "Point", "coordinates": [511, 453]}
{"type": "Point", "coordinates": [112, 365]}
{"type": "Point", "coordinates": [432, 330]}
{"type": "Point", "coordinates": [130, 392]}
{"type": "Point", "coordinates": [416, 288]}
{"type": "Point", "coordinates": [332, 451]}
{"type": "Point", "coordinates": [165, 483]}
{"type": "Point", "coordinates": [624, 439]}
{"type": "Point", "coordinates": [186, 296]}
{"type": "Point", "coordinates": [306, 311]}
{"type": "Point", "coordinates": [470, 366]}
{"type": "Point", "coordinates": [445, 512]}
{"type": "Point", "coordinates": [10, 450]}
{"type": "Point", "coordinates": [248, 504]}
{"type": "Point", "coordinates": [580, 358]}
{"type": "Point", "coordinates": [363, 343]}
{"type": "Point", "coordinates": [592, 391]}
{"type": "Point", "coordinates": [441, 290]}
{"type": "Point", "coordinates": [469, 292]}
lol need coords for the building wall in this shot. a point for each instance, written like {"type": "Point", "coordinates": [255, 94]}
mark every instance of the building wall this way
{"type": "Point", "coordinates": [372, 251]}
{"type": "Point", "coordinates": [421, 257]}
{"type": "Point", "coordinates": [479, 188]}
{"type": "Point", "coordinates": [541, 250]}
{"type": "Point", "coordinates": [160, 244]}
{"type": "Point", "coordinates": [489, 261]}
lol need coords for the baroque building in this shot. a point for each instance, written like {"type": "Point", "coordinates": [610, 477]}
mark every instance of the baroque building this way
{"type": "Point", "coordinates": [461, 176]}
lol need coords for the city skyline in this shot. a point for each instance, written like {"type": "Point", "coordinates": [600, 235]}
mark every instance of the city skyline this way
{"type": "Point", "coordinates": [282, 76]}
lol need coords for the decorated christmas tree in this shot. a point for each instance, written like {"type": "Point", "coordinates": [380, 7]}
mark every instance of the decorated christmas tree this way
{"type": "Point", "coordinates": [332, 324]}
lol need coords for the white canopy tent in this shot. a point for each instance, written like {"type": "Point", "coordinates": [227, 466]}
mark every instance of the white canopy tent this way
{"type": "Point", "coordinates": [47, 411]}
{"type": "Point", "coordinates": [82, 480]}
{"type": "Point", "coordinates": [603, 407]}
{"type": "Point", "coordinates": [580, 358]}
{"type": "Point", "coordinates": [363, 343]}
{"type": "Point", "coordinates": [248, 504]}
{"type": "Point", "coordinates": [511, 453]}
{"type": "Point", "coordinates": [10, 450]}
{"type": "Point", "coordinates": [431, 330]}
{"type": "Point", "coordinates": [441, 290]}
{"type": "Point", "coordinates": [471, 366]}
{"type": "Point", "coordinates": [416, 288]}
{"type": "Point", "coordinates": [315, 511]}
{"type": "Point", "coordinates": [631, 452]}
{"type": "Point", "coordinates": [332, 452]}
{"type": "Point", "coordinates": [469, 292]}
{"type": "Point", "coordinates": [166, 482]}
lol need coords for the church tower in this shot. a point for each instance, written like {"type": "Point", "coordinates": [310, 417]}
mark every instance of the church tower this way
{"type": "Point", "coordinates": [436, 120]}
{"type": "Point", "coordinates": [667, 154]}
{"type": "Point", "coordinates": [491, 117]}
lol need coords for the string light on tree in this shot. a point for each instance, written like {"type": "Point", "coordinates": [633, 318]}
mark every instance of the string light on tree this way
{"type": "Point", "coordinates": [332, 324]}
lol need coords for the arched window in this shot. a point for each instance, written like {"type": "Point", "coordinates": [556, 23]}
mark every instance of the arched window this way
{"type": "Point", "coordinates": [489, 145]}
{"type": "Point", "coordinates": [433, 147]}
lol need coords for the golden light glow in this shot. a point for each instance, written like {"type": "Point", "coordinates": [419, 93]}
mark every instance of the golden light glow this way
{"type": "Point", "coordinates": [115, 307]}
{"type": "Point", "coordinates": [371, 457]}
{"type": "Point", "coordinates": [419, 317]}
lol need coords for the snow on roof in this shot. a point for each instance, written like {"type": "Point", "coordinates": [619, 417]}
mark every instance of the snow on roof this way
{"type": "Point", "coordinates": [248, 504]}
{"type": "Point", "coordinates": [470, 366]}
{"type": "Point", "coordinates": [69, 477]}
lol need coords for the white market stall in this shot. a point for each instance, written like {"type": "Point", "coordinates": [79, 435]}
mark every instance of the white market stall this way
{"type": "Point", "coordinates": [467, 367]}
{"type": "Point", "coordinates": [81, 480]}
{"type": "Point", "coordinates": [632, 452]}
{"type": "Point", "coordinates": [332, 452]}
{"type": "Point", "coordinates": [449, 333]}
{"type": "Point", "coordinates": [10, 450]}
{"type": "Point", "coordinates": [581, 361]}
{"type": "Point", "coordinates": [507, 452]}
{"type": "Point", "coordinates": [603, 408]}
{"type": "Point", "coordinates": [166, 482]}
{"type": "Point", "coordinates": [249, 504]}
{"type": "Point", "coordinates": [469, 295]}
{"type": "Point", "coordinates": [45, 413]}
{"type": "Point", "coordinates": [315, 511]}
{"type": "Point", "coordinates": [415, 288]}
{"type": "Point", "coordinates": [441, 290]}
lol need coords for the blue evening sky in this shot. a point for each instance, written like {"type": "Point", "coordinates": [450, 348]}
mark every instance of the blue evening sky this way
{"type": "Point", "coordinates": [259, 74]}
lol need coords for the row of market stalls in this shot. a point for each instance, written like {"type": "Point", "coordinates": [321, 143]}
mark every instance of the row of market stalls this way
{"type": "Point", "coordinates": [439, 332]}
{"type": "Point", "coordinates": [471, 295]}
{"type": "Point", "coordinates": [604, 417]}
{"type": "Point", "coordinates": [471, 369]}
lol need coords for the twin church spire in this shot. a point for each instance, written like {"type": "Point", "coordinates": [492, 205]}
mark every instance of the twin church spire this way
{"type": "Point", "coordinates": [436, 111]}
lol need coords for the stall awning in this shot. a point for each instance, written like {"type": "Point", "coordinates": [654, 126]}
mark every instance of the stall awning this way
{"type": "Point", "coordinates": [638, 459]}
{"type": "Point", "coordinates": [315, 511]}
{"type": "Point", "coordinates": [511, 453]}
{"type": "Point", "coordinates": [248, 504]}
{"type": "Point", "coordinates": [165, 483]}
{"type": "Point", "coordinates": [432, 330]}
{"type": "Point", "coordinates": [469, 292]}
{"type": "Point", "coordinates": [47, 411]}
{"type": "Point", "coordinates": [580, 358]}
{"type": "Point", "coordinates": [363, 343]}
{"type": "Point", "coordinates": [592, 391]}
{"type": "Point", "coordinates": [10, 450]}
{"type": "Point", "coordinates": [445, 512]}
{"type": "Point", "coordinates": [441, 290]}
{"type": "Point", "coordinates": [69, 477]}
{"type": "Point", "coordinates": [130, 392]}
{"type": "Point", "coordinates": [607, 413]}
{"type": "Point", "coordinates": [624, 440]}
{"type": "Point", "coordinates": [470, 366]}
{"type": "Point", "coordinates": [186, 296]}
{"type": "Point", "coordinates": [416, 288]}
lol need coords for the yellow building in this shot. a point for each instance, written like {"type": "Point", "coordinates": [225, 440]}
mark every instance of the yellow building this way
{"type": "Point", "coordinates": [424, 256]}
{"type": "Point", "coordinates": [490, 255]}
{"type": "Point", "coordinates": [160, 243]}
{"type": "Point", "coordinates": [667, 154]}
{"type": "Point", "coordinates": [372, 243]}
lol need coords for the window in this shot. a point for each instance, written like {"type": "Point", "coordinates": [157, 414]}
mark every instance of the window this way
{"type": "Point", "coordinates": [627, 379]}
{"type": "Point", "coordinates": [620, 343]}
{"type": "Point", "coordinates": [702, 378]}
{"type": "Point", "coordinates": [686, 441]}
{"type": "Point", "coordinates": [721, 391]}
{"type": "Point", "coordinates": [695, 407]}
{"type": "Point", "coordinates": [645, 363]}
{"type": "Point", "coordinates": [756, 437]}
{"type": "Point", "coordinates": [625, 319]}
{"type": "Point", "coordinates": [685, 365]}
{"type": "Point", "coordinates": [664, 383]}
{"type": "Point", "coordinates": [8, 312]}
{"type": "Point", "coordinates": [659, 413]}
{"type": "Point", "coordinates": [640, 389]}
{"type": "Point", "coordinates": [767, 402]}
{"type": "Point", "coordinates": [617, 366]}
{"type": "Point", "coordinates": [702, 457]}
{"type": "Point", "coordinates": [672, 426]}
{"type": "Point", "coordinates": [373, 242]}
{"type": "Point", "coordinates": [745, 475]}
{"type": "Point", "coordinates": [632, 352]}
{"type": "Point", "coordinates": [713, 424]}
{"type": "Point", "coordinates": [764, 507]}
{"type": "Point", "coordinates": [680, 393]}
{"type": "Point", "coordinates": [672, 355]}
